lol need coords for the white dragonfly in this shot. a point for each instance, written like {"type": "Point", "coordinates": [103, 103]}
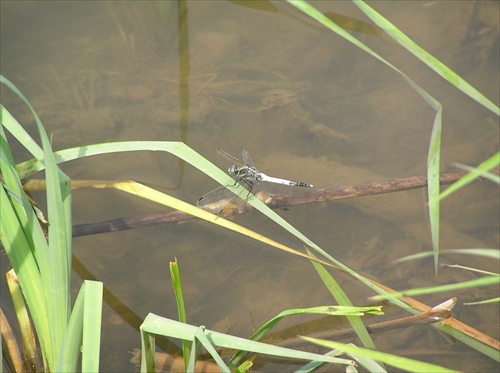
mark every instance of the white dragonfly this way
{"type": "Point", "coordinates": [246, 174]}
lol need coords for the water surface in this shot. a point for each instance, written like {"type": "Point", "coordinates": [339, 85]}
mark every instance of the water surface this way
{"type": "Point", "coordinates": [308, 106]}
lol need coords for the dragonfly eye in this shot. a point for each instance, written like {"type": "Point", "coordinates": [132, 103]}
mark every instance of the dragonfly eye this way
{"type": "Point", "coordinates": [232, 170]}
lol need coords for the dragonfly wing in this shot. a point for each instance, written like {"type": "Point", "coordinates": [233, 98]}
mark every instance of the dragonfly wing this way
{"type": "Point", "coordinates": [225, 192]}
{"type": "Point", "coordinates": [215, 196]}
{"type": "Point", "coordinates": [246, 158]}
{"type": "Point", "coordinates": [224, 197]}
{"type": "Point", "coordinates": [230, 157]}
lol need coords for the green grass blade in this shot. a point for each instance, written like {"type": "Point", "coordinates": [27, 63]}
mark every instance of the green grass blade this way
{"type": "Point", "coordinates": [487, 253]}
{"type": "Point", "coordinates": [487, 175]}
{"type": "Point", "coordinates": [174, 329]}
{"type": "Point", "coordinates": [83, 331]}
{"type": "Point", "coordinates": [70, 351]}
{"type": "Point", "coordinates": [322, 310]}
{"type": "Point", "coordinates": [46, 282]}
{"type": "Point", "coordinates": [92, 315]}
{"type": "Point", "coordinates": [426, 57]}
{"type": "Point", "coordinates": [402, 363]}
{"type": "Point", "coordinates": [27, 220]}
{"type": "Point", "coordinates": [200, 336]}
{"type": "Point", "coordinates": [484, 281]}
{"type": "Point", "coordinates": [487, 301]}
{"type": "Point", "coordinates": [21, 237]}
{"type": "Point", "coordinates": [487, 165]}
{"type": "Point", "coordinates": [433, 159]}
{"type": "Point", "coordinates": [341, 297]}
{"type": "Point", "coordinates": [434, 184]}
{"type": "Point", "coordinates": [58, 205]}
{"type": "Point", "coordinates": [181, 309]}
{"type": "Point", "coordinates": [369, 364]}
{"type": "Point", "coordinates": [191, 359]}
{"type": "Point", "coordinates": [471, 269]}
{"type": "Point", "coordinates": [148, 351]}
{"type": "Point", "coordinates": [20, 133]}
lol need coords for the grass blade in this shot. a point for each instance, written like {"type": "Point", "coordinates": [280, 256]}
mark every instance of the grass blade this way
{"type": "Point", "coordinates": [322, 310]}
{"type": "Point", "coordinates": [487, 165]}
{"type": "Point", "coordinates": [484, 281]}
{"type": "Point", "coordinates": [181, 310]}
{"type": "Point", "coordinates": [92, 315]}
{"type": "Point", "coordinates": [392, 360]}
{"type": "Point", "coordinates": [174, 329]}
{"type": "Point", "coordinates": [341, 297]}
{"type": "Point", "coordinates": [488, 253]}
{"type": "Point", "coordinates": [433, 159]}
{"type": "Point", "coordinates": [426, 57]}
{"type": "Point", "coordinates": [59, 255]}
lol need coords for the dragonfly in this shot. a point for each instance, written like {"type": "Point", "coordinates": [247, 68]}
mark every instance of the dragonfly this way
{"type": "Point", "coordinates": [246, 174]}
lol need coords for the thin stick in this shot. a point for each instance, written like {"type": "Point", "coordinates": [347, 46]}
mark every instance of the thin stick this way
{"type": "Point", "coordinates": [274, 201]}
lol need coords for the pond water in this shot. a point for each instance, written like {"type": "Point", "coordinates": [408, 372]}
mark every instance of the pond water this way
{"type": "Point", "coordinates": [309, 106]}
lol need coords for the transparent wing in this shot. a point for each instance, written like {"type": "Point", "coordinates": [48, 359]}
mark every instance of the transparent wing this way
{"type": "Point", "coordinates": [247, 160]}
{"type": "Point", "coordinates": [214, 196]}
{"type": "Point", "coordinates": [226, 196]}
{"type": "Point", "coordinates": [230, 157]}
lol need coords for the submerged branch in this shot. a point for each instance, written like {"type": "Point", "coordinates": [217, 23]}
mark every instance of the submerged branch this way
{"type": "Point", "coordinates": [274, 201]}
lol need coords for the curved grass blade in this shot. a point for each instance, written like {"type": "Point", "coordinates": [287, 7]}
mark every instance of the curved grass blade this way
{"type": "Point", "coordinates": [426, 57]}
{"type": "Point", "coordinates": [479, 171]}
{"type": "Point", "coordinates": [156, 196]}
{"type": "Point", "coordinates": [402, 363]}
{"type": "Point", "coordinates": [488, 253]}
{"type": "Point", "coordinates": [44, 270]}
{"type": "Point", "coordinates": [488, 301]}
{"type": "Point", "coordinates": [433, 158]}
{"type": "Point", "coordinates": [322, 310]}
{"type": "Point", "coordinates": [57, 280]}
{"type": "Point", "coordinates": [342, 298]}
{"type": "Point", "coordinates": [484, 281]}
{"type": "Point", "coordinates": [154, 324]}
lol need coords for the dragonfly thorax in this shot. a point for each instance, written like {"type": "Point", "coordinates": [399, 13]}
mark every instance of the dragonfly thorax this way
{"type": "Point", "coordinates": [244, 173]}
{"type": "Point", "coordinates": [234, 170]}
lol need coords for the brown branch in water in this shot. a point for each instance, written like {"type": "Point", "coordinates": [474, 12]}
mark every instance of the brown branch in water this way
{"type": "Point", "coordinates": [274, 202]}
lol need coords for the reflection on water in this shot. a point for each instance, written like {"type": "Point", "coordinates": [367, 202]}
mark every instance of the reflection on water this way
{"type": "Point", "coordinates": [307, 105]}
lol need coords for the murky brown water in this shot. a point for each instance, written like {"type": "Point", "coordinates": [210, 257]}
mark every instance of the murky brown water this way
{"type": "Point", "coordinates": [308, 106]}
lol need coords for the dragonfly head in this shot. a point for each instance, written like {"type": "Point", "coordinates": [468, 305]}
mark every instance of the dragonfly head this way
{"type": "Point", "coordinates": [233, 170]}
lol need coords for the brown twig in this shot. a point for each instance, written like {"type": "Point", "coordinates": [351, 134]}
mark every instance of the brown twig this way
{"type": "Point", "coordinates": [274, 201]}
